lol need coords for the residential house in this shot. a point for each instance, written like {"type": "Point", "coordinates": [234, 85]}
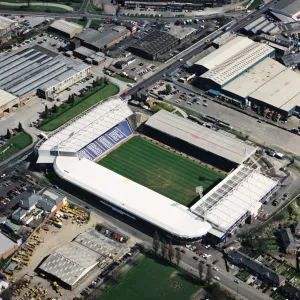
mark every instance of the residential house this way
{"type": "Point", "coordinates": [256, 268]}
{"type": "Point", "coordinates": [288, 241]}
{"type": "Point", "coordinates": [297, 228]}
{"type": "Point", "coordinates": [290, 292]}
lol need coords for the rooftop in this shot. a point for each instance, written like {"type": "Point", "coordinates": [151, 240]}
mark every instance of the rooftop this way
{"type": "Point", "coordinates": [6, 23]}
{"type": "Point", "coordinates": [224, 37]}
{"type": "Point", "coordinates": [288, 239]}
{"type": "Point", "coordinates": [65, 26]}
{"type": "Point", "coordinates": [181, 32]}
{"type": "Point", "coordinates": [6, 98]}
{"type": "Point", "coordinates": [87, 128]}
{"type": "Point", "coordinates": [238, 63]}
{"type": "Point", "coordinates": [126, 194]}
{"type": "Point", "coordinates": [84, 51]}
{"type": "Point", "coordinates": [291, 59]}
{"type": "Point", "coordinates": [219, 56]}
{"type": "Point", "coordinates": [282, 91]}
{"type": "Point", "coordinates": [254, 78]}
{"type": "Point", "coordinates": [212, 141]}
{"type": "Point", "coordinates": [238, 194]}
{"type": "Point", "coordinates": [5, 244]}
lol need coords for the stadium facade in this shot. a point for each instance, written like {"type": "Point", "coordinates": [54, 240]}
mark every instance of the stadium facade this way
{"type": "Point", "coordinates": [73, 149]}
{"type": "Point", "coordinates": [244, 72]}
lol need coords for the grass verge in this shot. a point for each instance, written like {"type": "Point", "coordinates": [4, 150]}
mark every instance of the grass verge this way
{"type": "Point", "coordinates": [161, 170]}
{"type": "Point", "coordinates": [93, 9]}
{"type": "Point", "coordinates": [34, 8]}
{"type": "Point", "coordinates": [66, 112]}
{"type": "Point", "coordinates": [14, 145]}
{"type": "Point", "coordinates": [161, 105]}
{"type": "Point", "coordinates": [151, 280]}
{"type": "Point", "coordinates": [125, 79]}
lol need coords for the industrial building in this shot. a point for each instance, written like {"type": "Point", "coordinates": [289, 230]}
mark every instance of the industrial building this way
{"type": "Point", "coordinates": [38, 70]}
{"type": "Point", "coordinates": [224, 39]}
{"type": "Point", "coordinates": [69, 264]}
{"type": "Point", "coordinates": [210, 146]}
{"type": "Point", "coordinates": [291, 60]}
{"type": "Point", "coordinates": [261, 25]}
{"type": "Point", "coordinates": [7, 102]}
{"type": "Point", "coordinates": [251, 75]}
{"type": "Point", "coordinates": [100, 40]}
{"type": "Point", "coordinates": [226, 71]}
{"type": "Point", "coordinates": [286, 11]}
{"type": "Point", "coordinates": [7, 246]}
{"type": "Point", "coordinates": [65, 28]}
{"type": "Point", "coordinates": [154, 44]}
{"type": "Point", "coordinates": [6, 27]}
{"type": "Point", "coordinates": [182, 33]}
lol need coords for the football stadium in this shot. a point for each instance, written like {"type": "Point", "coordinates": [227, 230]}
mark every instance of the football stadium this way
{"type": "Point", "coordinates": [180, 178]}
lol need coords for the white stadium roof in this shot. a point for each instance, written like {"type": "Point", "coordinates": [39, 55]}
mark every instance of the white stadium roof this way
{"type": "Point", "coordinates": [240, 192]}
{"type": "Point", "coordinates": [87, 127]}
{"type": "Point", "coordinates": [219, 56]}
{"type": "Point", "coordinates": [237, 63]}
{"type": "Point", "coordinates": [131, 197]}
{"type": "Point", "coordinates": [211, 141]}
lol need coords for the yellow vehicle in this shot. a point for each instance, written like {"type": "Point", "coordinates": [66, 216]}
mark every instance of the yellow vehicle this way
{"type": "Point", "coordinates": [16, 260]}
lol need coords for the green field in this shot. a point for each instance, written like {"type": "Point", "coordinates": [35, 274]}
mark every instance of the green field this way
{"type": "Point", "coordinates": [152, 281]}
{"type": "Point", "coordinates": [34, 8]}
{"type": "Point", "coordinates": [15, 144]}
{"type": "Point", "coordinates": [70, 112]}
{"type": "Point", "coordinates": [125, 79]}
{"type": "Point", "coordinates": [160, 170]}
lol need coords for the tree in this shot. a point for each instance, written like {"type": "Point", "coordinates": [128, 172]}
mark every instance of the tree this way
{"type": "Point", "coordinates": [200, 269]}
{"type": "Point", "coordinates": [46, 113]}
{"type": "Point", "coordinates": [20, 127]}
{"type": "Point", "coordinates": [28, 3]}
{"type": "Point", "coordinates": [69, 99]}
{"type": "Point", "coordinates": [171, 252]}
{"type": "Point", "coordinates": [8, 134]}
{"type": "Point", "coordinates": [117, 275]}
{"type": "Point", "coordinates": [156, 242]}
{"type": "Point", "coordinates": [106, 81]}
{"type": "Point", "coordinates": [163, 248]}
{"type": "Point", "coordinates": [178, 257]}
{"type": "Point", "coordinates": [209, 274]}
{"type": "Point", "coordinates": [168, 89]}
{"type": "Point", "coordinates": [55, 108]}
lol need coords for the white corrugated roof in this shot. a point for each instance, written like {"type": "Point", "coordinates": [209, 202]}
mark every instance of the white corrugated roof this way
{"type": "Point", "coordinates": [131, 197]}
{"type": "Point", "coordinates": [237, 63]}
{"type": "Point", "coordinates": [5, 244]}
{"type": "Point", "coordinates": [5, 22]}
{"type": "Point", "coordinates": [6, 97]}
{"type": "Point", "coordinates": [217, 57]}
{"type": "Point", "coordinates": [282, 91]}
{"type": "Point", "coordinates": [65, 26]}
{"type": "Point", "coordinates": [254, 78]}
{"type": "Point", "coordinates": [212, 141]}
{"type": "Point", "coordinates": [238, 193]}
{"type": "Point", "coordinates": [87, 128]}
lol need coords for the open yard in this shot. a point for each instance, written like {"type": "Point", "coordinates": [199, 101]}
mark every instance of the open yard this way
{"type": "Point", "coordinates": [160, 170]}
{"type": "Point", "coordinates": [150, 280]}
{"type": "Point", "coordinates": [14, 145]}
{"type": "Point", "coordinates": [66, 114]}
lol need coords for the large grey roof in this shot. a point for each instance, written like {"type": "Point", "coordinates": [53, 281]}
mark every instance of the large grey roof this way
{"type": "Point", "coordinates": [211, 141]}
{"type": "Point", "coordinates": [5, 244]}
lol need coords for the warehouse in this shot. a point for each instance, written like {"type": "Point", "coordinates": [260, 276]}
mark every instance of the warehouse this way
{"type": "Point", "coordinates": [281, 93]}
{"type": "Point", "coordinates": [234, 66]}
{"type": "Point", "coordinates": [154, 44]}
{"type": "Point", "coordinates": [64, 28]}
{"type": "Point", "coordinates": [36, 69]}
{"type": "Point", "coordinates": [83, 52]}
{"type": "Point", "coordinates": [70, 263]}
{"type": "Point", "coordinates": [224, 39]}
{"type": "Point", "coordinates": [6, 27]}
{"type": "Point", "coordinates": [252, 79]}
{"type": "Point", "coordinates": [286, 11]}
{"type": "Point", "coordinates": [238, 197]}
{"type": "Point", "coordinates": [97, 58]}
{"type": "Point", "coordinates": [182, 33]}
{"type": "Point", "coordinates": [7, 102]}
{"type": "Point", "coordinates": [219, 56]}
{"type": "Point", "coordinates": [7, 247]}
{"type": "Point", "coordinates": [100, 40]}
{"type": "Point", "coordinates": [291, 60]}
{"type": "Point", "coordinates": [212, 147]}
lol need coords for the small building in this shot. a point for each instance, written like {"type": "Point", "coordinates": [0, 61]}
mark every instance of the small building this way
{"type": "Point", "coordinates": [288, 241]}
{"type": "Point", "coordinates": [224, 39]}
{"type": "Point", "coordinates": [7, 102]}
{"type": "Point", "coordinates": [97, 58]}
{"type": "Point", "coordinates": [182, 33]}
{"type": "Point", "coordinates": [19, 214]}
{"type": "Point", "coordinates": [7, 246]}
{"type": "Point", "coordinates": [6, 27]}
{"type": "Point", "coordinates": [122, 64]}
{"type": "Point", "coordinates": [256, 268]}
{"type": "Point", "coordinates": [297, 228]}
{"type": "Point", "coordinates": [29, 203]}
{"type": "Point", "coordinates": [83, 52]}
{"type": "Point", "coordinates": [291, 60]}
{"type": "Point", "coordinates": [290, 292]}
{"type": "Point", "coordinates": [65, 28]}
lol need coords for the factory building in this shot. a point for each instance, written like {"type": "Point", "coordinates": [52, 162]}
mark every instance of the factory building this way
{"type": "Point", "coordinates": [224, 39]}
{"type": "Point", "coordinates": [36, 69]}
{"type": "Point", "coordinates": [100, 40]}
{"type": "Point", "coordinates": [286, 11]}
{"type": "Point", "coordinates": [154, 44]}
{"type": "Point", "coordinates": [182, 33]}
{"type": "Point", "coordinates": [7, 102]}
{"type": "Point", "coordinates": [291, 60]}
{"type": "Point", "coordinates": [65, 28]}
{"type": "Point", "coordinates": [6, 27]}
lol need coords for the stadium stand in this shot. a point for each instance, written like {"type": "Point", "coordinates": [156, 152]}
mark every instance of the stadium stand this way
{"type": "Point", "coordinates": [105, 142]}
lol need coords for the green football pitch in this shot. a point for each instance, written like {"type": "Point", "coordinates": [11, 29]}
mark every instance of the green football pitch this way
{"type": "Point", "coordinates": [150, 280]}
{"type": "Point", "coordinates": [160, 170]}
